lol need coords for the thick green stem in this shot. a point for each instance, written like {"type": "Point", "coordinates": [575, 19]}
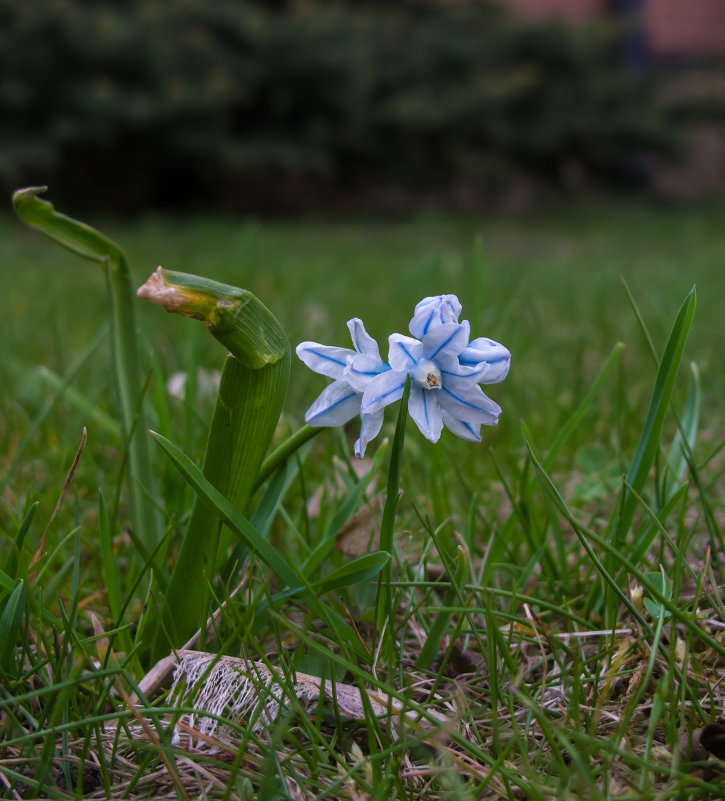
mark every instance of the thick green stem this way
{"type": "Point", "coordinates": [253, 386]}
{"type": "Point", "coordinates": [91, 244]}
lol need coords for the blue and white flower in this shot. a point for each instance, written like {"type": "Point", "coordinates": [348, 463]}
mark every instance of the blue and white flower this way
{"type": "Point", "coordinates": [444, 373]}
{"type": "Point", "coordinates": [352, 370]}
{"type": "Point", "coordinates": [445, 370]}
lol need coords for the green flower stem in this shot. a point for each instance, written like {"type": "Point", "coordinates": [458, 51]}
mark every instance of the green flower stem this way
{"type": "Point", "coordinates": [253, 385]}
{"type": "Point", "coordinates": [384, 600]}
{"type": "Point", "coordinates": [91, 244]}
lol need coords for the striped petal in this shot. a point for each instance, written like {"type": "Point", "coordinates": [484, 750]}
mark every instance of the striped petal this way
{"type": "Point", "coordinates": [337, 404]}
{"type": "Point", "coordinates": [434, 311]}
{"type": "Point", "coordinates": [491, 359]}
{"type": "Point", "coordinates": [325, 359]}
{"type": "Point", "coordinates": [369, 429]}
{"type": "Point", "coordinates": [450, 366]}
{"type": "Point", "coordinates": [493, 373]}
{"type": "Point", "coordinates": [361, 370]}
{"type": "Point", "coordinates": [467, 431]}
{"type": "Point", "coordinates": [426, 412]}
{"type": "Point", "coordinates": [444, 340]}
{"type": "Point", "coordinates": [469, 404]}
{"type": "Point", "coordinates": [384, 389]}
{"type": "Point", "coordinates": [361, 340]}
{"type": "Point", "coordinates": [404, 352]}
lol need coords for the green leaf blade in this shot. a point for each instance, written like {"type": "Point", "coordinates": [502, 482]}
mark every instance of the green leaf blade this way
{"type": "Point", "coordinates": [228, 513]}
{"type": "Point", "coordinates": [659, 406]}
{"type": "Point", "coordinates": [363, 568]}
{"type": "Point", "coordinates": [10, 622]}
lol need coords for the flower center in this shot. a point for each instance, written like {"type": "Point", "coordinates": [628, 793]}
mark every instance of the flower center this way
{"type": "Point", "coordinates": [427, 375]}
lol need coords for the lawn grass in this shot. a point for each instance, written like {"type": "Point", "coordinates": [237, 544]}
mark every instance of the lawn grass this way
{"type": "Point", "coordinates": [525, 606]}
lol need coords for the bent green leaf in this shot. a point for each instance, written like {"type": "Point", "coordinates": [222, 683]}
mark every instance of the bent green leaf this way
{"type": "Point", "coordinates": [251, 392]}
{"type": "Point", "coordinates": [236, 317]}
{"type": "Point", "coordinates": [88, 243]}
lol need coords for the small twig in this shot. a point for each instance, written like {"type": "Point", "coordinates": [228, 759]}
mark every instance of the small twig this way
{"type": "Point", "coordinates": [565, 636]}
{"type": "Point", "coordinates": [716, 624]}
{"type": "Point", "coordinates": [15, 793]}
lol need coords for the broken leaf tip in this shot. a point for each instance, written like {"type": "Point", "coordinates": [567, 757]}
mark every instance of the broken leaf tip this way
{"type": "Point", "coordinates": [158, 291]}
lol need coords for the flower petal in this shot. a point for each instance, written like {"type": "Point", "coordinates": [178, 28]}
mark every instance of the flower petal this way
{"type": "Point", "coordinates": [426, 412]}
{"type": "Point", "coordinates": [469, 404]}
{"type": "Point", "coordinates": [385, 388]}
{"type": "Point", "coordinates": [337, 404]}
{"type": "Point", "coordinates": [370, 428]}
{"type": "Point", "coordinates": [444, 340]}
{"type": "Point", "coordinates": [450, 366]}
{"type": "Point", "coordinates": [491, 358]}
{"type": "Point", "coordinates": [361, 370]}
{"type": "Point", "coordinates": [404, 352]}
{"type": "Point", "coordinates": [361, 340]}
{"type": "Point", "coordinates": [433, 311]}
{"type": "Point", "coordinates": [493, 373]}
{"type": "Point", "coordinates": [467, 431]}
{"type": "Point", "coordinates": [325, 359]}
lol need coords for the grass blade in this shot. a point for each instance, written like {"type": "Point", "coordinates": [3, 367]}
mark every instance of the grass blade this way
{"type": "Point", "coordinates": [226, 512]}
{"type": "Point", "coordinates": [283, 452]}
{"type": "Point", "coordinates": [7, 584]}
{"type": "Point", "coordinates": [684, 441]}
{"type": "Point", "coordinates": [63, 385]}
{"type": "Point", "coordinates": [659, 405]}
{"type": "Point", "coordinates": [585, 535]}
{"type": "Point", "coordinates": [10, 622]}
{"type": "Point", "coordinates": [11, 563]}
{"type": "Point", "coordinates": [361, 569]}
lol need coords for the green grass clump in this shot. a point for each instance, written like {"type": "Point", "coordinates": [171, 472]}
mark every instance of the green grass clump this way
{"type": "Point", "coordinates": [550, 618]}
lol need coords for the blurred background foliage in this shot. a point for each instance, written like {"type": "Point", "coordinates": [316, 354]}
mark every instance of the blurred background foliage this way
{"type": "Point", "coordinates": [299, 104]}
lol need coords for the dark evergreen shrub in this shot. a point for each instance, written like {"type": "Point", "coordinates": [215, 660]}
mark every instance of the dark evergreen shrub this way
{"type": "Point", "coordinates": [210, 102]}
